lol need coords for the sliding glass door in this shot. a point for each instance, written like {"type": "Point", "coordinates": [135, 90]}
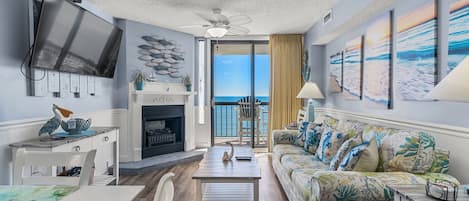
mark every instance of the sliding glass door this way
{"type": "Point", "coordinates": [240, 71]}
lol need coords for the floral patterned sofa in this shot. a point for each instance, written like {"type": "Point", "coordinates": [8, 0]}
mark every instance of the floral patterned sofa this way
{"type": "Point", "coordinates": [304, 177]}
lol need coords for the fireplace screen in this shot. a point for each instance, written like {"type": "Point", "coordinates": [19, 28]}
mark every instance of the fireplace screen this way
{"type": "Point", "coordinates": [157, 133]}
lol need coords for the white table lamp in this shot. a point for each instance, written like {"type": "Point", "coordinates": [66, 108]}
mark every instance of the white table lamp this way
{"type": "Point", "coordinates": [455, 86]}
{"type": "Point", "coordinates": [310, 91]}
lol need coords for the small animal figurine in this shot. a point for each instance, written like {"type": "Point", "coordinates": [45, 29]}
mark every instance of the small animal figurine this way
{"type": "Point", "coordinates": [226, 156]}
{"type": "Point", "coordinates": [59, 113]}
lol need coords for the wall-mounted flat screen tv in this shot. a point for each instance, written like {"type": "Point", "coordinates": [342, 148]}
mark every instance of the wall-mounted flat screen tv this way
{"type": "Point", "coordinates": [71, 39]}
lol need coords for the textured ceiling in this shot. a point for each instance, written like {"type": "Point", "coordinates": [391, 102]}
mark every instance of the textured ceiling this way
{"type": "Point", "coordinates": [269, 16]}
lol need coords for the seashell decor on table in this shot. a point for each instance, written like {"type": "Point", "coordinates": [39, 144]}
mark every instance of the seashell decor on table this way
{"type": "Point", "coordinates": [164, 56]}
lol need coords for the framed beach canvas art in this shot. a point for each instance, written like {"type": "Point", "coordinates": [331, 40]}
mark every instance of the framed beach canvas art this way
{"type": "Point", "coordinates": [377, 68]}
{"type": "Point", "coordinates": [416, 50]}
{"type": "Point", "coordinates": [352, 73]}
{"type": "Point", "coordinates": [458, 36]}
{"type": "Point", "coordinates": [335, 73]}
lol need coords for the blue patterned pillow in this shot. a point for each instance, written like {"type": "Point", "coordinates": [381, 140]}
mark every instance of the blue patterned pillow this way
{"type": "Point", "coordinates": [313, 137]}
{"type": "Point", "coordinates": [363, 158]}
{"type": "Point", "coordinates": [330, 143]}
{"type": "Point", "coordinates": [343, 151]}
{"type": "Point", "coordinates": [301, 137]}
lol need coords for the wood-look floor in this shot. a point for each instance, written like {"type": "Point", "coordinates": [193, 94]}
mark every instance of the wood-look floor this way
{"type": "Point", "coordinates": [270, 188]}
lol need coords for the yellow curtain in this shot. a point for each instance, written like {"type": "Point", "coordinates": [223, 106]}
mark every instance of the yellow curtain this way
{"type": "Point", "coordinates": [286, 56]}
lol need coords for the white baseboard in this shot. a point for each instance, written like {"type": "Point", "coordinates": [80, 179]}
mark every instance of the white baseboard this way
{"type": "Point", "coordinates": [453, 138]}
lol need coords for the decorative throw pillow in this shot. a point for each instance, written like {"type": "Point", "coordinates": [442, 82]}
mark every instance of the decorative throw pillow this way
{"type": "Point", "coordinates": [313, 136]}
{"type": "Point", "coordinates": [330, 122]}
{"type": "Point", "coordinates": [351, 128]}
{"type": "Point", "coordinates": [343, 150]}
{"type": "Point", "coordinates": [300, 138]}
{"type": "Point", "coordinates": [362, 158]}
{"type": "Point", "coordinates": [408, 151]}
{"type": "Point", "coordinates": [329, 144]}
{"type": "Point", "coordinates": [440, 161]}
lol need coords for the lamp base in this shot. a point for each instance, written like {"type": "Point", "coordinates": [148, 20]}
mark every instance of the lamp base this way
{"type": "Point", "coordinates": [310, 111]}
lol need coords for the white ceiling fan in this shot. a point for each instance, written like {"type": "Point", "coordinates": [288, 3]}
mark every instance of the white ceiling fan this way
{"type": "Point", "coordinates": [220, 25]}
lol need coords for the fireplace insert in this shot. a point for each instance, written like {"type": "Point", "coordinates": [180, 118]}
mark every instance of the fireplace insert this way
{"type": "Point", "coordinates": [162, 130]}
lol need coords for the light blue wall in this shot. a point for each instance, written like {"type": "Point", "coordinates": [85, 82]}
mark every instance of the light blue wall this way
{"type": "Point", "coordinates": [450, 113]}
{"type": "Point", "coordinates": [14, 102]}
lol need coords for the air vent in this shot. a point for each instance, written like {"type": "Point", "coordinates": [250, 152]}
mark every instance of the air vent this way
{"type": "Point", "coordinates": [327, 17]}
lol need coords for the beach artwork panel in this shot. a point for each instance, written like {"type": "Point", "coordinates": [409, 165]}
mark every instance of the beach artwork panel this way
{"type": "Point", "coordinates": [416, 52]}
{"type": "Point", "coordinates": [458, 38]}
{"type": "Point", "coordinates": [335, 74]}
{"type": "Point", "coordinates": [377, 68]}
{"type": "Point", "coordinates": [352, 75]}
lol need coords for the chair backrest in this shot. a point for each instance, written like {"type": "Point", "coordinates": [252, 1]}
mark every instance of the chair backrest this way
{"type": "Point", "coordinates": [24, 158]}
{"type": "Point", "coordinates": [165, 188]}
{"type": "Point", "coordinates": [245, 107]}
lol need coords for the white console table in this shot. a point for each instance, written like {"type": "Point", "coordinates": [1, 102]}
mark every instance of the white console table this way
{"type": "Point", "coordinates": [105, 141]}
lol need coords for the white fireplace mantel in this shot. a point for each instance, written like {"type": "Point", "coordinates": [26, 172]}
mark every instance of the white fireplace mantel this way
{"type": "Point", "coordinates": [159, 94]}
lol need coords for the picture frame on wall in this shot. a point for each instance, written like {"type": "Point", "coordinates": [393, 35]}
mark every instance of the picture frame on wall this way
{"type": "Point", "coordinates": [377, 71]}
{"type": "Point", "coordinates": [335, 72]}
{"type": "Point", "coordinates": [352, 69]}
{"type": "Point", "coordinates": [458, 33]}
{"type": "Point", "coordinates": [416, 55]}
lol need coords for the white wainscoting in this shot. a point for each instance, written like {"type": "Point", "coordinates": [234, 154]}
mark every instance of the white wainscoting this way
{"type": "Point", "coordinates": [455, 139]}
{"type": "Point", "coordinates": [16, 131]}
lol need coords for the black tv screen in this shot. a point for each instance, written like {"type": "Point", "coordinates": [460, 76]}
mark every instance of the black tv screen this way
{"type": "Point", "coordinates": [71, 39]}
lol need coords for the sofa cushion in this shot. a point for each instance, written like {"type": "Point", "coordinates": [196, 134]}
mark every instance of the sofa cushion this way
{"type": "Point", "coordinates": [301, 179]}
{"type": "Point", "coordinates": [313, 137]}
{"type": "Point", "coordinates": [281, 150]}
{"type": "Point", "coordinates": [330, 122]}
{"type": "Point", "coordinates": [293, 162]}
{"type": "Point", "coordinates": [351, 128]}
{"type": "Point", "coordinates": [440, 161]}
{"type": "Point", "coordinates": [343, 150]}
{"type": "Point", "coordinates": [363, 158]}
{"type": "Point", "coordinates": [408, 151]}
{"type": "Point", "coordinates": [331, 140]}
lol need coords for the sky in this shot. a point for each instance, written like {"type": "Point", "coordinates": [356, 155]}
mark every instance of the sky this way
{"type": "Point", "coordinates": [232, 75]}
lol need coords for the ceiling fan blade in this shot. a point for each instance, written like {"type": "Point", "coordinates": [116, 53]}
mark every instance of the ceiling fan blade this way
{"type": "Point", "coordinates": [239, 20]}
{"type": "Point", "coordinates": [195, 26]}
{"type": "Point", "coordinates": [207, 17]}
{"type": "Point", "coordinates": [237, 30]}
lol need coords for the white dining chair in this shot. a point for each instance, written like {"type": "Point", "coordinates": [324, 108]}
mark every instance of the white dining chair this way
{"type": "Point", "coordinates": [165, 188]}
{"type": "Point", "coordinates": [27, 159]}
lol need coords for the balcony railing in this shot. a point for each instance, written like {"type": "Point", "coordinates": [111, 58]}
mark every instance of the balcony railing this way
{"type": "Point", "coordinates": [226, 121]}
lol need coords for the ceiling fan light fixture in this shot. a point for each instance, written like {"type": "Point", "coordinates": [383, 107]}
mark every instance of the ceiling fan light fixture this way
{"type": "Point", "coordinates": [217, 32]}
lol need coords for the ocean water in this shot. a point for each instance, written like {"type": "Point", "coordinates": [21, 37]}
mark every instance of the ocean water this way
{"type": "Point", "coordinates": [352, 69]}
{"type": "Point", "coordinates": [458, 38]}
{"type": "Point", "coordinates": [226, 116]}
{"type": "Point", "coordinates": [416, 60]}
{"type": "Point", "coordinates": [335, 75]}
{"type": "Point", "coordinates": [376, 79]}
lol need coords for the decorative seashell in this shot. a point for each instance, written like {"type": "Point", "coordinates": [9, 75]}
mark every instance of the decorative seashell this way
{"type": "Point", "coordinates": [145, 58]}
{"type": "Point", "coordinates": [175, 75]}
{"type": "Point", "coordinates": [161, 68]}
{"type": "Point", "coordinates": [162, 72]}
{"type": "Point", "coordinates": [145, 47]}
{"type": "Point", "coordinates": [149, 39]}
{"type": "Point", "coordinates": [157, 60]}
{"type": "Point", "coordinates": [155, 51]}
{"type": "Point", "coordinates": [177, 57]}
{"type": "Point", "coordinates": [144, 52]}
{"type": "Point", "coordinates": [157, 56]}
{"type": "Point", "coordinates": [165, 64]}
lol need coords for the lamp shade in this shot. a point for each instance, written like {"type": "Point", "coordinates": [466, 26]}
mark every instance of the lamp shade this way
{"type": "Point", "coordinates": [455, 86]}
{"type": "Point", "coordinates": [310, 90]}
{"type": "Point", "coordinates": [217, 32]}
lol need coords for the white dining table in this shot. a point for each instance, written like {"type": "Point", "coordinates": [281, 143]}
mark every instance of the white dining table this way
{"type": "Point", "coordinates": [83, 193]}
